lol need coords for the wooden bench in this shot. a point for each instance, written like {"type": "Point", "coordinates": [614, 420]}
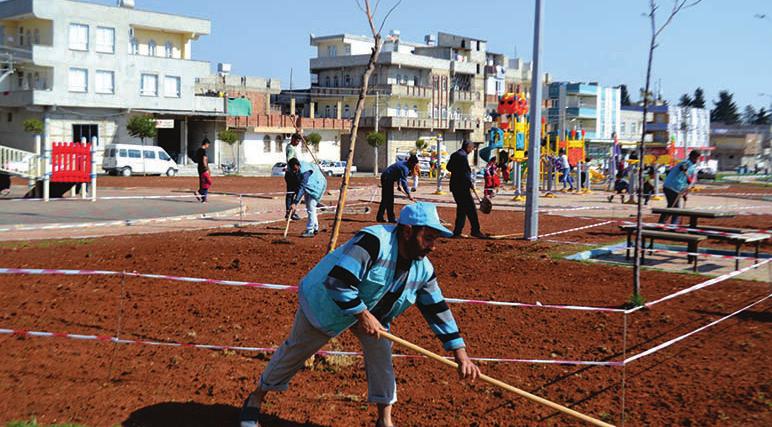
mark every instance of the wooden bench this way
{"type": "Point", "coordinates": [738, 239]}
{"type": "Point", "coordinates": [692, 240]}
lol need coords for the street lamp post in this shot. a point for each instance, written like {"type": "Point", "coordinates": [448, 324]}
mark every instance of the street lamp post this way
{"type": "Point", "coordinates": [534, 140]}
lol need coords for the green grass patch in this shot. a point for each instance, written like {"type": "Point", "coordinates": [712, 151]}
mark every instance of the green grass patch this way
{"type": "Point", "coordinates": [42, 244]}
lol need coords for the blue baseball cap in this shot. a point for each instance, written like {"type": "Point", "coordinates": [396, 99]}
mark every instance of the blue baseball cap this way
{"type": "Point", "coordinates": [423, 215]}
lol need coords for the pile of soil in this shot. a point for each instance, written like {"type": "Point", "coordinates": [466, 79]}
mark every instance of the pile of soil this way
{"type": "Point", "coordinates": [710, 378]}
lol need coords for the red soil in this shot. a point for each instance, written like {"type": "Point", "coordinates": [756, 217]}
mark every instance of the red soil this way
{"type": "Point", "coordinates": [717, 376]}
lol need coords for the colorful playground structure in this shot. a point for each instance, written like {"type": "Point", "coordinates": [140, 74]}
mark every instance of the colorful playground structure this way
{"type": "Point", "coordinates": [63, 166]}
{"type": "Point", "coordinates": [508, 141]}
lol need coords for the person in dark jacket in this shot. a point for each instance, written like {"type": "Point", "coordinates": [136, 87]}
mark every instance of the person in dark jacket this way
{"type": "Point", "coordinates": [461, 184]}
{"type": "Point", "coordinates": [397, 172]}
{"type": "Point", "coordinates": [204, 175]}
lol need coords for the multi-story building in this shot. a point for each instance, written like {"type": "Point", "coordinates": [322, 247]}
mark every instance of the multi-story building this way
{"type": "Point", "coordinates": [417, 89]}
{"type": "Point", "coordinates": [504, 75]}
{"type": "Point", "coordinates": [84, 69]}
{"type": "Point", "coordinates": [740, 146]}
{"type": "Point", "coordinates": [266, 129]}
{"type": "Point", "coordinates": [678, 129]}
{"type": "Point", "coordinates": [586, 107]}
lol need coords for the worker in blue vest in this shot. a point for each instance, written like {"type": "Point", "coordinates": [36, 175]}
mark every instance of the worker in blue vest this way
{"type": "Point", "coordinates": [311, 185]}
{"type": "Point", "coordinates": [677, 183]}
{"type": "Point", "coordinates": [363, 285]}
{"type": "Point", "coordinates": [397, 172]}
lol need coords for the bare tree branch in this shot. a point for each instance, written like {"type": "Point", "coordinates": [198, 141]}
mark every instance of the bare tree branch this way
{"type": "Point", "coordinates": [359, 4]}
{"type": "Point", "coordinates": [375, 9]}
{"type": "Point", "coordinates": [387, 16]}
{"type": "Point", "coordinates": [678, 5]}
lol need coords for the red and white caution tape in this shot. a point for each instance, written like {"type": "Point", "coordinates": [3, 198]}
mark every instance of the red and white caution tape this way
{"type": "Point", "coordinates": [701, 285]}
{"type": "Point", "coordinates": [682, 337]}
{"type": "Point", "coordinates": [683, 229]}
{"type": "Point", "coordinates": [70, 272]}
{"type": "Point", "coordinates": [117, 340]}
{"type": "Point", "coordinates": [575, 229]}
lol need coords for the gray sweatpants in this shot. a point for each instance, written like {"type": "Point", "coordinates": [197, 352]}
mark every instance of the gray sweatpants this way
{"type": "Point", "coordinates": [305, 340]}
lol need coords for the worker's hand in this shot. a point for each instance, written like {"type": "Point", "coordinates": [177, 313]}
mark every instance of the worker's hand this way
{"type": "Point", "coordinates": [369, 324]}
{"type": "Point", "coordinates": [466, 368]}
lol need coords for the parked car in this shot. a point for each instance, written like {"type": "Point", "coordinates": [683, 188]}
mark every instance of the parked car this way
{"type": "Point", "coordinates": [706, 173]}
{"type": "Point", "coordinates": [331, 168]}
{"type": "Point", "coordinates": [278, 169]}
{"type": "Point", "coordinates": [127, 160]}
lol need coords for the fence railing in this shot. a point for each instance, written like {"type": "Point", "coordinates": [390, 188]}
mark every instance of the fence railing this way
{"type": "Point", "coordinates": [19, 162]}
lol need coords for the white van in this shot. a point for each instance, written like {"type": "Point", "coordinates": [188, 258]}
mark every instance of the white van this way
{"type": "Point", "coordinates": [125, 160]}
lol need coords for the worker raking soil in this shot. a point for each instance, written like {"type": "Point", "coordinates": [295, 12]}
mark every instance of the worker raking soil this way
{"type": "Point", "coordinates": [364, 285]}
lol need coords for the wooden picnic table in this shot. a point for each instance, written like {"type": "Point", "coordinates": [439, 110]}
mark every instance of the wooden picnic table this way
{"type": "Point", "coordinates": [694, 214]}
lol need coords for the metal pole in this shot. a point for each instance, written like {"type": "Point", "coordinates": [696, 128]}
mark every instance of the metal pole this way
{"type": "Point", "coordinates": [377, 119]}
{"type": "Point", "coordinates": [94, 141]}
{"type": "Point", "coordinates": [534, 140]}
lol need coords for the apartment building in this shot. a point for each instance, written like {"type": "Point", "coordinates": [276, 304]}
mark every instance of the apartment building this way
{"type": "Point", "coordinates": [741, 147]}
{"type": "Point", "coordinates": [680, 129]}
{"type": "Point", "coordinates": [265, 129]}
{"type": "Point", "coordinates": [84, 69]}
{"type": "Point", "coordinates": [434, 88]}
{"type": "Point", "coordinates": [504, 75]}
{"type": "Point", "coordinates": [587, 107]}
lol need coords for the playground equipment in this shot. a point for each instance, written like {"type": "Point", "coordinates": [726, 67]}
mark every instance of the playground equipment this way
{"type": "Point", "coordinates": [62, 167]}
{"type": "Point", "coordinates": [508, 139]}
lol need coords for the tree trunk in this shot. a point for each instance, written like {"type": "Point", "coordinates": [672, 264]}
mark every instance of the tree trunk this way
{"type": "Point", "coordinates": [639, 190]}
{"type": "Point", "coordinates": [354, 130]}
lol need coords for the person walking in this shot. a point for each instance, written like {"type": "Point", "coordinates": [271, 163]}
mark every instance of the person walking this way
{"type": "Point", "coordinates": [565, 170]}
{"type": "Point", "coordinates": [289, 179]}
{"type": "Point", "coordinates": [311, 185]}
{"type": "Point", "coordinates": [397, 172]}
{"type": "Point", "coordinates": [363, 286]}
{"type": "Point", "coordinates": [677, 184]}
{"type": "Point", "coordinates": [461, 185]}
{"type": "Point", "coordinates": [204, 174]}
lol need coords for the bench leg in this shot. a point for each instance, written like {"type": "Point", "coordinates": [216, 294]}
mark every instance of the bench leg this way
{"type": "Point", "coordinates": [737, 254]}
{"type": "Point", "coordinates": [692, 248]}
{"type": "Point", "coordinates": [629, 242]}
{"type": "Point", "coordinates": [756, 254]}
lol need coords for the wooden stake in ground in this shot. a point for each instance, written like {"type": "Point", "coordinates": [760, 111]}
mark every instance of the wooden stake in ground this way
{"type": "Point", "coordinates": [357, 115]}
{"type": "Point", "coordinates": [497, 383]}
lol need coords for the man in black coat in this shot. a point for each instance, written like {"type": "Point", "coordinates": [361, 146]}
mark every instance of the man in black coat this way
{"type": "Point", "coordinates": [461, 184]}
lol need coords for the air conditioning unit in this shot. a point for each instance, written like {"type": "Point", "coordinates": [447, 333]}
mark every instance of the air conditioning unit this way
{"type": "Point", "coordinates": [129, 4]}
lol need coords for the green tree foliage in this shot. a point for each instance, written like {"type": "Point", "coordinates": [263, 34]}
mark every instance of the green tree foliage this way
{"type": "Point", "coordinates": [685, 101]}
{"type": "Point", "coordinates": [376, 139]}
{"type": "Point", "coordinates": [624, 95]}
{"type": "Point", "coordinates": [725, 109]}
{"type": "Point", "coordinates": [421, 144]}
{"type": "Point", "coordinates": [763, 117]}
{"type": "Point", "coordinates": [141, 127]}
{"type": "Point", "coordinates": [228, 136]}
{"type": "Point", "coordinates": [749, 115]}
{"type": "Point", "coordinates": [33, 126]}
{"type": "Point", "coordinates": [313, 140]}
{"type": "Point", "coordinates": [698, 100]}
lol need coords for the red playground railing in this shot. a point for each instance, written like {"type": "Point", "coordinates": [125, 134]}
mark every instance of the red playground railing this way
{"type": "Point", "coordinates": [70, 162]}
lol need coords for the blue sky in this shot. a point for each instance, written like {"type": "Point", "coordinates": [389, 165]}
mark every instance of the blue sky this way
{"type": "Point", "coordinates": [718, 44]}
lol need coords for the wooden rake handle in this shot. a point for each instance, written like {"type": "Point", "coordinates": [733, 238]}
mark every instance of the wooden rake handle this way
{"type": "Point", "coordinates": [496, 382]}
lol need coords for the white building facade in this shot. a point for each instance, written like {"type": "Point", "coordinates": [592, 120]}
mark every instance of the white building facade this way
{"type": "Point", "coordinates": [84, 69]}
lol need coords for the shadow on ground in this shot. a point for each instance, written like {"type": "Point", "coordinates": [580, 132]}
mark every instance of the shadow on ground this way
{"type": "Point", "coordinates": [192, 414]}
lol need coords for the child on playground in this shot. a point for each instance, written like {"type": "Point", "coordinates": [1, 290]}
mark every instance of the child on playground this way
{"type": "Point", "coordinates": [492, 180]}
{"type": "Point", "coordinates": [621, 186]}
{"type": "Point", "coordinates": [204, 183]}
{"type": "Point", "coordinates": [648, 185]}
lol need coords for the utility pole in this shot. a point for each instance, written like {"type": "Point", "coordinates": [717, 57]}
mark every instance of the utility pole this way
{"type": "Point", "coordinates": [534, 140]}
{"type": "Point", "coordinates": [377, 119]}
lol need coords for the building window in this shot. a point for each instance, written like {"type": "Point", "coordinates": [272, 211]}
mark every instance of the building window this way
{"type": "Point", "coordinates": [37, 36]}
{"type": "Point", "coordinates": [332, 51]}
{"type": "Point", "coordinates": [78, 37]}
{"type": "Point", "coordinates": [105, 40]}
{"type": "Point", "coordinates": [622, 128]}
{"type": "Point", "coordinates": [172, 86]}
{"type": "Point", "coordinates": [415, 111]}
{"type": "Point", "coordinates": [21, 36]}
{"type": "Point", "coordinates": [169, 50]}
{"type": "Point", "coordinates": [347, 80]}
{"type": "Point", "coordinates": [266, 144]}
{"type": "Point", "coordinates": [78, 81]}
{"type": "Point", "coordinates": [151, 48]}
{"type": "Point", "coordinates": [279, 143]}
{"type": "Point", "coordinates": [149, 85]}
{"type": "Point", "coordinates": [326, 111]}
{"type": "Point", "coordinates": [346, 111]}
{"type": "Point", "coordinates": [134, 46]}
{"type": "Point", "coordinates": [347, 49]}
{"type": "Point", "coordinates": [105, 82]}
{"type": "Point", "coordinates": [335, 81]}
{"type": "Point", "coordinates": [327, 81]}
{"type": "Point", "coordinates": [399, 78]}
{"type": "Point", "coordinates": [9, 117]}
{"type": "Point", "coordinates": [415, 80]}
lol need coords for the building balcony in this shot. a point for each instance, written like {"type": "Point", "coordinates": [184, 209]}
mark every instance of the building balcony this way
{"type": "Point", "coordinates": [581, 112]}
{"type": "Point", "coordinates": [463, 67]}
{"type": "Point", "coordinates": [18, 98]}
{"type": "Point", "coordinates": [17, 53]}
{"type": "Point", "coordinates": [656, 127]}
{"type": "Point", "coordinates": [405, 122]}
{"type": "Point", "coordinates": [209, 104]}
{"type": "Point", "coordinates": [457, 95]}
{"type": "Point", "coordinates": [462, 124]}
{"type": "Point", "coordinates": [581, 89]}
{"type": "Point", "coordinates": [422, 92]}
